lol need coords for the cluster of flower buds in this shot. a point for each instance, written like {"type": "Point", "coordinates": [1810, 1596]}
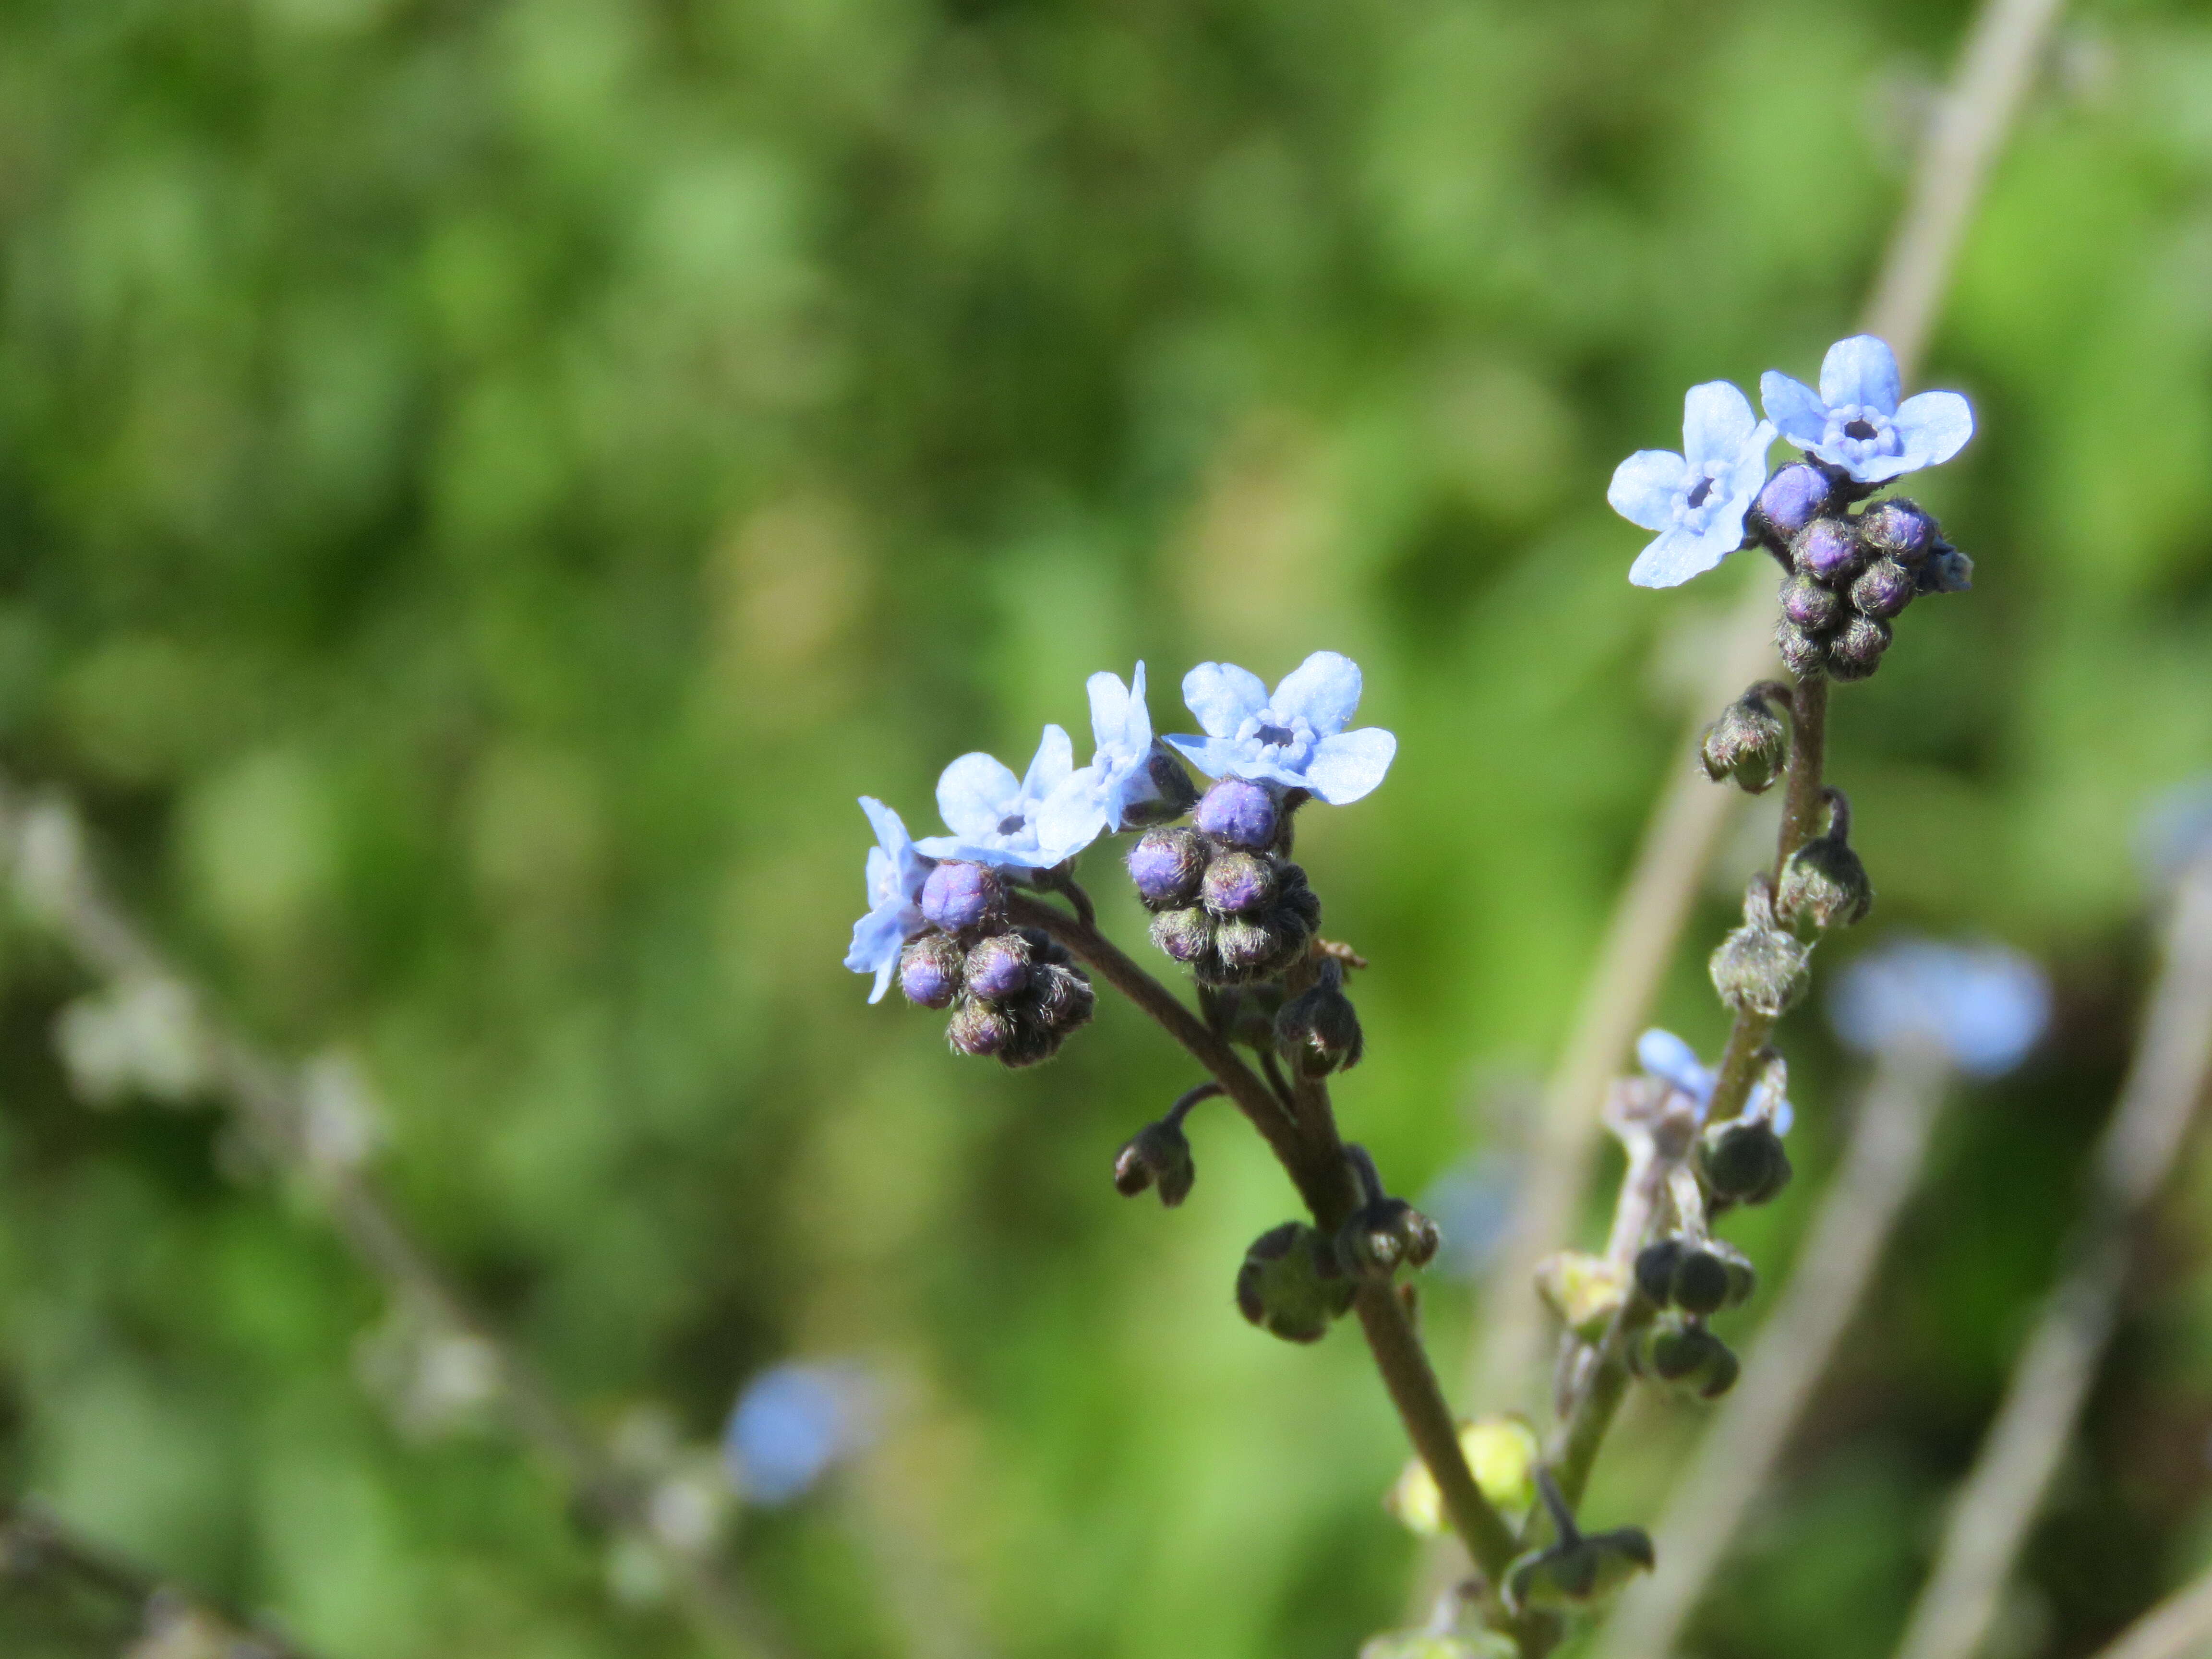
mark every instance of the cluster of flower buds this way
{"type": "Point", "coordinates": [1015, 994]}
{"type": "Point", "coordinates": [1700, 1276]}
{"type": "Point", "coordinates": [1851, 573]}
{"type": "Point", "coordinates": [1226, 901]}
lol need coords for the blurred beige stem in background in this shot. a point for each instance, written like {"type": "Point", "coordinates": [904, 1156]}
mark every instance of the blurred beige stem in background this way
{"type": "Point", "coordinates": [1965, 132]}
{"type": "Point", "coordinates": [2179, 1627]}
{"type": "Point", "coordinates": [42, 842]}
{"type": "Point", "coordinates": [2043, 1402]}
{"type": "Point", "coordinates": [1747, 1434]}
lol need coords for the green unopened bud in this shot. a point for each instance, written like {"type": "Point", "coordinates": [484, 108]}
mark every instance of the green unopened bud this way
{"type": "Point", "coordinates": [1824, 878]}
{"type": "Point", "coordinates": [1585, 1291]}
{"type": "Point", "coordinates": [1384, 1234]}
{"type": "Point", "coordinates": [1683, 1354]}
{"type": "Point", "coordinates": [1157, 1155]}
{"type": "Point", "coordinates": [1290, 1284]}
{"type": "Point", "coordinates": [1318, 1030]}
{"type": "Point", "coordinates": [1759, 968]}
{"type": "Point", "coordinates": [1742, 1160]}
{"type": "Point", "coordinates": [1578, 1573]}
{"type": "Point", "coordinates": [1748, 743]}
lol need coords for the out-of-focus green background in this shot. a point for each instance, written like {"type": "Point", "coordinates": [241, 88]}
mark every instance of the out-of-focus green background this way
{"type": "Point", "coordinates": [484, 483]}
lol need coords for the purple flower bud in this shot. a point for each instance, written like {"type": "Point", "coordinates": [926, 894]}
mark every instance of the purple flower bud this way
{"type": "Point", "coordinates": [1167, 866]}
{"type": "Point", "coordinates": [1809, 604]}
{"type": "Point", "coordinates": [1186, 935]}
{"type": "Point", "coordinates": [1899, 528]}
{"type": "Point", "coordinates": [959, 896]}
{"type": "Point", "coordinates": [1828, 550]}
{"type": "Point", "coordinates": [1796, 496]}
{"type": "Point", "coordinates": [998, 967]}
{"type": "Point", "coordinates": [1805, 652]}
{"type": "Point", "coordinates": [929, 972]}
{"type": "Point", "coordinates": [1238, 882]}
{"type": "Point", "coordinates": [1884, 588]}
{"type": "Point", "coordinates": [1856, 652]}
{"type": "Point", "coordinates": [979, 1029]}
{"type": "Point", "coordinates": [1240, 812]}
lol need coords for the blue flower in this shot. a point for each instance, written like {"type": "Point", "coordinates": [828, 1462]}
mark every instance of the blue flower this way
{"type": "Point", "coordinates": [793, 1422]}
{"type": "Point", "coordinates": [895, 873]}
{"type": "Point", "coordinates": [1295, 739]}
{"type": "Point", "coordinates": [1675, 1064]}
{"type": "Point", "coordinates": [1696, 501]}
{"type": "Point", "coordinates": [1101, 796]}
{"type": "Point", "coordinates": [1984, 1005]}
{"type": "Point", "coordinates": [1854, 420]}
{"type": "Point", "coordinates": [1000, 820]}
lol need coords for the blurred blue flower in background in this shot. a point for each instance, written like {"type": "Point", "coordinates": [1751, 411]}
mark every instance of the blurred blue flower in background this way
{"type": "Point", "coordinates": [1674, 1063]}
{"type": "Point", "coordinates": [1472, 1204]}
{"type": "Point", "coordinates": [1854, 420]}
{"type": "Point", "coordinates": [895, 873]}
{"type": "Point", "coordinates": [1696, 499]}
{"type": "Point", "coordinates": [1295, 738]}
{"type": "Point", "coordinates": [1000, 820]}
{"type": "Point", "coordinates": [793, 1424]}
{"type": "Point", "coordinates": [1985, 1006]}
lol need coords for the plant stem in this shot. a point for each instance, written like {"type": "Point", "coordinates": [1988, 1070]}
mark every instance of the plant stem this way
{"type": "Point", "coordinates": [1312, 1153]}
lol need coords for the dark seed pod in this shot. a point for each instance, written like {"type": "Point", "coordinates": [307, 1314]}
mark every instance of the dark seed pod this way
{"type": "Point", "coordinates": [1157, 1155]}
{"type": "Point", "coordinates": [1318, 1030]}
{"type": "Point", "coordinates": [1385, 1234]}
{"type": "Point", "coordinates": [1856, 652]}
{"type": "Point", "coordinates": [1654, 1268]}
{"type": "Point", "coordinates": [1683, 1353]}
{"type": "Point", "coordinates": [1743, 1161]}
{"type": "Point", "coordinates": [929, 971]}
{"type": "Point", "coordinates": [1290, 1284]}
{"type": "Point", "coordinates": [1824, 880]}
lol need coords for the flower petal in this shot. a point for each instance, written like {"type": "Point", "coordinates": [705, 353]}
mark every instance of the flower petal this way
{"type": "Point", "coordinates": [1324, 689]}
{"type": "Point", "coordinates": [1673, 1061]}
{"type": "Point", "coordinates": [1860, 370]}
{"type": "Point", "coordinates": [1795, 408]}
{"type": "Point", "coordinates": [1211, 756]}
{"type": "Point", "coordinates": [891, 831]}
{"type": "Point", "coordinates": [1223, 695]}
{"type": "Point", "coordinates": [1644, 486]}
{"type": "Point", "coordinates": [1109, 709]}
{"type": "Point", "coordinates": [878, 937]}
{"type": "Point", "coordinates": [973, 794]}
{"type": "Point", "coordinates": [1348, 765]}
{"type": "Point", "coordinates": [1071, 817]}
{"type": "Point", "coordinates": [1677, 554]}
{"type": "Point", "coordinates": [1933, 426]}
{"type": "Point", "coordinates": [1748, 473]}
{"type": "Point", "coordinates": [1054, 763]}
{"type": "Point", "coordinates": [1716, 421]}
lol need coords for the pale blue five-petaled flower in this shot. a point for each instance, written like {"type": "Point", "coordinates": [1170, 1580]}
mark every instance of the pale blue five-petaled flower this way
{"type": "Point", "coordinates": [1294, 738]}
{"type": "Point", "coordinates": [1696, 499]}
{"type": "Point", "coordinates": [998, 819]}
{"type": "Point", "coordinates": [1675, 1064]}
{"type": "Point", "coordinates": [895, 873]}
{"type": "Point", "coordinates": [1984, 1006]}
{"type": "Point", "coordinates": [1854, 420]}
{"type": "Point", "coordinates": [1101, 795]}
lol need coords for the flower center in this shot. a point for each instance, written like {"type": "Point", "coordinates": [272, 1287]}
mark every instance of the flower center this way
{"type": "Point", "coordinates": [1698, 492]}
{"type": "Point", "coordinates": [1012, 824]}
{"type": "Point", "coordinates": [1862, 429]}
{"type": "Point", "coordinates": [1280, 736]}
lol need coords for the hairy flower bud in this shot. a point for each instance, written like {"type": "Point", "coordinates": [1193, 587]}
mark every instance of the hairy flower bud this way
{"type": "Point", "coordinates": [1061, 996]}
{"type": "Point", "coordinates": [959, 896]}
{"type": "Point", "coordinates": [1157, 1155]}
{"type": "Point", "coordinates": [1743, 1161]}
{"type": "Point", "coordinates": [1166, 867]}
{"type": "Point", "coordinates": [1824, 878]}
{"type": "Point", "coordinates": [1240, 812]}
{"type": "Point", "coordinates": [1682, 1353]}
{"type": "Point", "coordinates": [1899, 528]}
{"type": "Point", "coordinates": [1237, 882]}
{"type": "Point", "coordinates": [1804, 652]}
{"type": "Point", "coordinates": [1884, 588]}
{"type": "Point", "coordinates": [998, 968]}
{"type": "Point", "coordinates": [1947, 571]}
{"type": "Point", "coordinates": [1759, 969]}
{"type": "Point", "coordinates": [1856, 651]}
{"type": "Point", "coordinates": [929, 971]}
{"type": "Point", "coordinates": [1290, 1284]}
{"type": "Point", "coordinates": [1186, 935]}
{"type": "Point", "coordinates": [1748, 743]}
{"type": "Point", "coordinates": [980, 1029]}
{"type": "Point", "coordinates": [1318, 1030]}
{"type": "Point", "coordinates": [1828, 550]}
{"type": "Point", "coordinates": [1810, 605]}
{"type": "Point", "coordinates": [1796, 496]}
